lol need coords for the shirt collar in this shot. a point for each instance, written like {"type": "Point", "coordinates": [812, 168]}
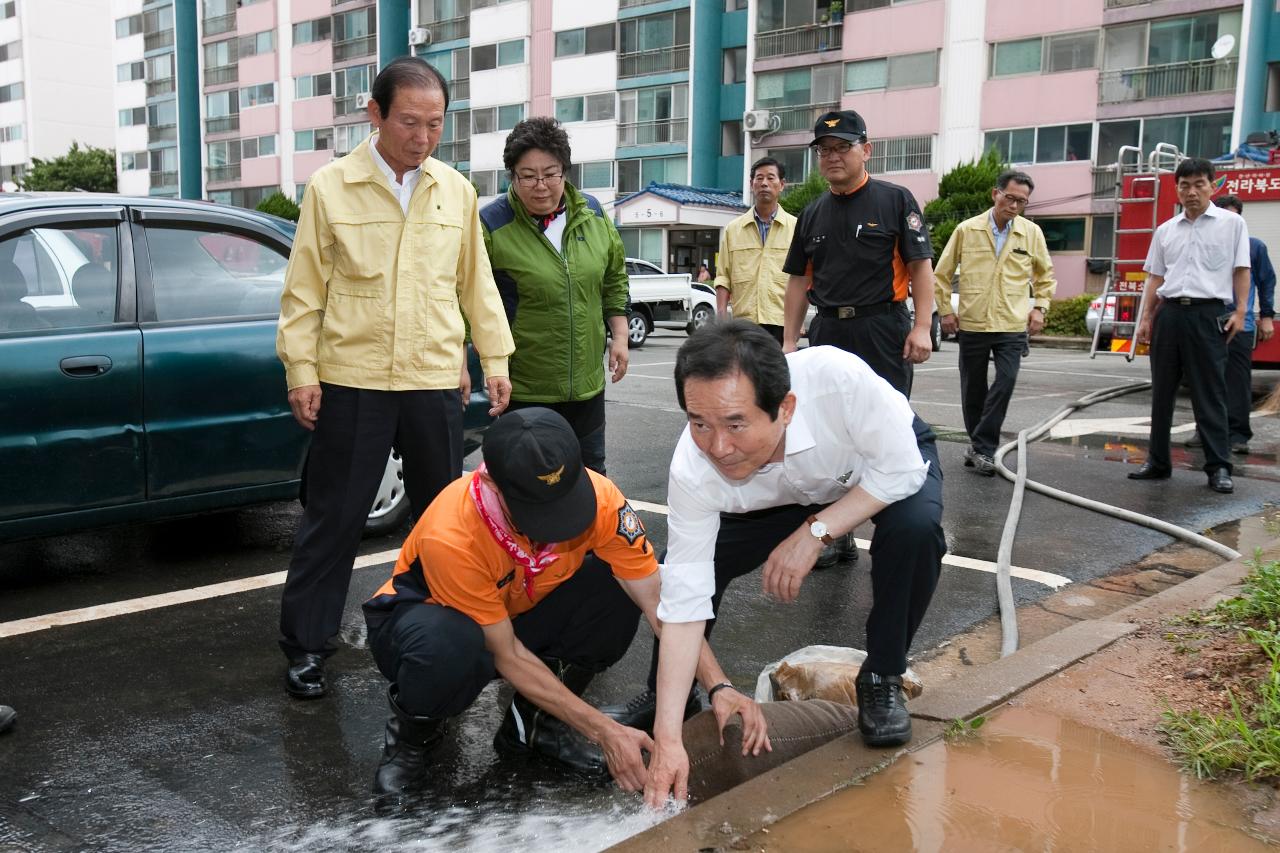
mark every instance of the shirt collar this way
{"type": "Point", "coordinates": [385, 169]}
{"type": "Point", "coordinates": [1211, 211]}
{"type": "Point", "coordinates": [995, 229]}
{"type": "Point", "coordinates": [761, 219]}
{"type": "Point", "coordinates": [799, 436]}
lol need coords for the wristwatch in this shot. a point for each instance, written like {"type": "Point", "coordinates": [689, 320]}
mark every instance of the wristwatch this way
{"type": "Point", "coordinates": [819, 530]}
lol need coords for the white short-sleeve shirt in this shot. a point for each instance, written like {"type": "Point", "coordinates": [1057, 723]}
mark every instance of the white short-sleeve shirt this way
{"type": "Point", "coordinates": [1197, 258]}
{"type": "Point", "coordinates": [850, 428]}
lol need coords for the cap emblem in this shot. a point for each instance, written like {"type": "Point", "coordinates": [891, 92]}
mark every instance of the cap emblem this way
{"type": "Point", "coordinates": [552, 478]}
{"type": "Point", "coordinates": [831, 122]}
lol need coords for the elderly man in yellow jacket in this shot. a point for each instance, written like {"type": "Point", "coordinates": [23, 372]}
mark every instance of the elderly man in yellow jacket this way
{"type": "Point", "coordinates": [388, 255]}
{"type": "Point", "coordinates": [1006, 283]}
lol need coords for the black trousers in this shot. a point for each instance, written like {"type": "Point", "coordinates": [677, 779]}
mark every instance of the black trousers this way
{"type": "Point", "coordinates": [354, 434]}
{"type": "Point", "coordinates": [985, 407]}
{"type": "Point", "coordinates": [1185, 340]}
{"type": "Point", "coordinates": [878, 340]}
{"type": "Point", "coordinates": [776, 331]}
{"type": "Point", "coordinates": [906, 559]}
{"type": "Point", "coordinates": [587, 419]}
{"type": "Point", "coordinates": [1240, 386]}
{"type": "Point", "coordinates": [436, 656]}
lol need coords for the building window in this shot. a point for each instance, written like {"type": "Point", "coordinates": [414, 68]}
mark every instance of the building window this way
{"type": "Point", "coordinates": [12, 50]}
{"type": "Point", "coordinates": [129, 26]}
{"type": "Point", "coordinates": [349, 82]}
{"type": "Point", "coordinates": [635, 175]}
{"type": "Point", "coordinates": [221, 104]}
{"type": "Point", "coordinates": [258, 43]}
{"type": "Point", "coordinates": [158, 20]}
{"type": "Point", "coordinates": [319, 29]}
{"type": "Point", "coordinates": [133, 116]}
{"type": "Point", "coordinates": [1200, 135]}
{"type": "Point", "coordinates": [453, 65]}
{"type": "Point", "coordinates": [1102, 236]}
{"type": "Point", "coordinates": [312, 86]}
{"type": "Point", "coordinates": [12, 133]}
{"type": "Point", "coordinates": [643, 243]}
{"type": "Point", "coordinates": [489, 119]}
{"type": "Point", "coordinates": [654, 115]}
{"type": "Point", "coordinates": [257, 96]}
{"type": "Point", "coordinates": [220, 54]}
{"type": "Point", "coordinates": [585, 40]}
{"type": "Point", "coordinates": [655, 32]}
{"type": "Point", "coordinates": [1065, 52]}
{"type": "Point", "coordinates": [585, 108]}
{"type": "Point", "coordinates": [731, 139]}
{"type": "Point", "coordinates": [353, 25]}
{"type": "Point", "coordinates": [1057, 143]}
{"type": "Point", "coordinates": [12, 92]}
{"type": "Point", "coordinates": [491, 181]}
{"type": "Point", "coordinates": [1063, 235]}
{"type": "Point", "coordinates": [317, 139]}
{"type": "Point", "coordinates": [486, 57]}
{"type": "Point", "coordinates": [735, 5]}
{"type": "Point", "coordinates": [597, 175]}
{"type": "Point", "coordinates": [903, 154]}
{"type": "Point", "coordinates": [163, 114]}
{"type": "Point", "coordinates": [905, 71]}
{"type": "Point", "coordinates": [8, 9]}
{"type": "Point", "coordinates": [258, 146]}
{"type": "Point", "coordinates": [135, 161]}
{"type": "Point", "coordinates": [735, 65]}
{"type": "Point", "coordinates": [864, 5]}
{"type": "Point", "coordinates": [348, 136]}
{"type": "Point", "coordinates": [127, 71]}
{"type": "Point", "coordinates": [795, 93]}
{"type": "Point", "coordinates": [160, 67]}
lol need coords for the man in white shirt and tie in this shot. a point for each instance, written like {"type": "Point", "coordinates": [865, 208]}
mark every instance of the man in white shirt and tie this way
{"type": "Point", "coordinates": [1198, 264]}
{"type": "Point", "coordinates": [781, 454]}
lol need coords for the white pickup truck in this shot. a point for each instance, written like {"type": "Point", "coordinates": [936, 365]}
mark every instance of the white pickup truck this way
{"type": "Point", "coordinates": [665, 300]}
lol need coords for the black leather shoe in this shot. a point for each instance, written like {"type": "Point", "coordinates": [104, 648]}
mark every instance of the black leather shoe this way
{"type": "Point", "coordinates": [305, 677]}
{"type": "Point", "coordinates": [882, 710]}
{"type": "Point", "coordinates": [7, 718]}
{"type": "Point", "coordinates": [1241, 447]}
{"type": "Point", "coordinates": [529, 730]}
{"type": "Point", "coordinates": [1220, 481]}
{"type": "Point", "coordinates": [1147, 471]}
{"type": "Point", "coordinates": [639, 712]}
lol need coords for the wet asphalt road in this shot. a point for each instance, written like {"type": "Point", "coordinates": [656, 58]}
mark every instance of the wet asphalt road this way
{"type": "Point", "coordinates": [168, 729]}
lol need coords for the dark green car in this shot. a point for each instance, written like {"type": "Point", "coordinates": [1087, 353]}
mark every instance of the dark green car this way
{"type": "Point", "coordinates": [138, 373]}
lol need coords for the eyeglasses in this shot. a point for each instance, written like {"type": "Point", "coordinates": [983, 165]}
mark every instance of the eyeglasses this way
{"type": "Point", "coordinates": [531, 181]}
{"type": "Point", "coordinates": [840, 148]}
{"type": "Point", "coordinates": [1014, 199]}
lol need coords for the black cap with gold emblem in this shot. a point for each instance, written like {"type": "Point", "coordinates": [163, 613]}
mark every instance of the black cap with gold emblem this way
{"type": "Point", "coordinates": [845, 124]}
{"type": "Point", "coordinates": [536, 462]}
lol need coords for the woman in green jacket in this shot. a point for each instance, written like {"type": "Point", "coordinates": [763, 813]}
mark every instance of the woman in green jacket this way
{"type": "Point", "coordinates": [558, 262]}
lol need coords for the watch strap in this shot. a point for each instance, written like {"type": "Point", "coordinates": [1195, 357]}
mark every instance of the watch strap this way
{"type": "Point", "coordinates": [826, 537]}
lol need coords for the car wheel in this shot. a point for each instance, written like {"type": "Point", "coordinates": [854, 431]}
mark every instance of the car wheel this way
{"type": "Point", "coordinates": [391, 504]}
{"type": "Point", "coordinates": [637, 329]}
{"type": "Point", "coordinates": [935, 333]}
{"type": "Point", "coordinates": [702, 315]}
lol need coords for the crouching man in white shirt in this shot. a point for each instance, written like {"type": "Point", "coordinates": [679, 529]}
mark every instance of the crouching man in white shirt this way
{"type": "Point", "coordinates": [780, 455]}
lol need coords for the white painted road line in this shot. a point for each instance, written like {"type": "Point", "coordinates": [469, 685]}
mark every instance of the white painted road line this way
{"type": "Point", "coordinates": [167, 599]}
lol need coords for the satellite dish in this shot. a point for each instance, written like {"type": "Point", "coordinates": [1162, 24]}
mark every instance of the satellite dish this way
{"type": "Point", "coordinates": [1223, 46]}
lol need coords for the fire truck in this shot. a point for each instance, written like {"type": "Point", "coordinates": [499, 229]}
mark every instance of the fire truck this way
{"type": "Point", "coordinates": [1146, 195]}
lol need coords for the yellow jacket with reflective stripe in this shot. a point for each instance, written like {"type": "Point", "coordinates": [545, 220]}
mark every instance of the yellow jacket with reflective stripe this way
{"type": "Point", "coordinates": [752, 273]}
{"type": "Point", "coordinates": [373, 298]}
{"type": "Point", "coordinates": [996, 294]}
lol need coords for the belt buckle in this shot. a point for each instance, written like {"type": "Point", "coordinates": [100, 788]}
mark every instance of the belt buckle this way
{"type": "Point", "coordinates": [1184, 300]}
{"type": "Point", "coordinates": [845, 312]}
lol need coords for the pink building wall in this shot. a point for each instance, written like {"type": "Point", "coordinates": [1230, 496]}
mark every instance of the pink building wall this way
{"type": "Point", "coordinates": [900, 112]}
{"type": "Point", "coordinates": [1011, 19]}
{"type": "Point", "coordinates": [923, 185]}
{"type": "Point", "coordinates": [305, 10]}
{"type": "Point", "coordinates": [312, 112]}
{"type": "Point", "coordinates": [909, 28]}
{"type": "Point", "coordinates": [257, 17]}
{"type": "Point", "coordinates": [259, 121]}
{"type": "Point", "coordinates": [1070, 272]}
{"type": "Point", "coordinates": [1032, 100]}
{"type": "Point", "coordinates": [311, 58]}
{"type": "Point", "coordinates": [259, 69]}
{"type": "Point", "coordinates": [1065, 181]}
{"type": "Point", "coordinates": [260, 172]}
{"type": "Point", "coordinates": [306, 163]}
{"type": "Point", "coordinates": [541, 53]}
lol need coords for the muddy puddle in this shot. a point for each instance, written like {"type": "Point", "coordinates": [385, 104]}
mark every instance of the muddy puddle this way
{"type": "Point", "coordinates": [1028, 781]}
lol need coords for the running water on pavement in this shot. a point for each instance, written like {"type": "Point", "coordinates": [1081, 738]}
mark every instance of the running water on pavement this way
{"type": "Point", "coordinates": [1027, 781]}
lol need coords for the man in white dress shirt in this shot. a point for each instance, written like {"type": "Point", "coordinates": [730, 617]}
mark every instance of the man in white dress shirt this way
{"type": "Point", "coordinates": [1198, 265]}
{"type": "Point", "coordinates": [780, 455]}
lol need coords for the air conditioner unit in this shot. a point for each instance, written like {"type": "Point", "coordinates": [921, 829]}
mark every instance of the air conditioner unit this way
{"type": "Point", "coordinates": [756, 119]}
{"type": "Point", "coordinates": [419, 36]}
{"type": "Point", "coordinates": [362, 100]}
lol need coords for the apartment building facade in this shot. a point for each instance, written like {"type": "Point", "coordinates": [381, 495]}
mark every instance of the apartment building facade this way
{"type": "Point", "coordinates": [46, 102]}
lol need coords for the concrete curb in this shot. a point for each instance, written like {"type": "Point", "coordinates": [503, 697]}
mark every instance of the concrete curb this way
{"type": "Point", "coordinates": [723, 822]}
{"type": "Point", "coordinates": [1060, 342]}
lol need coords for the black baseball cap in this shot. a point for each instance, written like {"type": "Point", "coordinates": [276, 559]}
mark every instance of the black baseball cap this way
{"type": "Point", "coordinates": [843, 124]}
{"type": "Point", "coordinates": [536, 462]}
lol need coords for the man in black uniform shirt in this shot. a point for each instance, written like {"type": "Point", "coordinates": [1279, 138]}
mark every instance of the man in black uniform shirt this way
{"type": "Point", "coordinates": [858, 253]}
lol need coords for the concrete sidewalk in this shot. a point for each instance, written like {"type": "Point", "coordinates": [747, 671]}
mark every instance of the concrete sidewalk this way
{"type": "Point", "coordinates": [727, 821]}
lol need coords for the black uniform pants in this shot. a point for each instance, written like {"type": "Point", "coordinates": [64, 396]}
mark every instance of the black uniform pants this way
{"type": "Point", "coordinates": [587, 419]}
{"type": "Point", "coordinates": [985, 407]}
{"type": "Point", "coordinates": [878, 340]}
{"type": "Point", "coordinates": [354, 434]}
{"type": "Point", "coordinates": [436, 655]}
{"type": "Point", "coordinates": [1185, 340]}
{"type": "Point", "coordinates": [1240, 386]}
{"type": "Point", "coordinates": [906, 558]}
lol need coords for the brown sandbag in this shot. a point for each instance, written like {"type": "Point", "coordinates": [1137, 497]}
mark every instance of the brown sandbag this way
{"type": "Point", "coordinates": [794, 729]}
{"type": "Point", "coordinates": [828, 680]}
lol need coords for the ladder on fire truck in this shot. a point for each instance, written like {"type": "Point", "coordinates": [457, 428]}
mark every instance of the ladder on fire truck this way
{"type": "Point", "coordinates": [1137, 214]}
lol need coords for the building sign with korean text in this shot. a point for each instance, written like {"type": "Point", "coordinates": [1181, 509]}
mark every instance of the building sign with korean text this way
{"type": "Point", "coordinates": [1249, 184]}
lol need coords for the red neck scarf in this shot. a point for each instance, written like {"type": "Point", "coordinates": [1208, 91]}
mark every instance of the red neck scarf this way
{"type": "Point", "coordinates": [544, 222]}
{"type": "Point", "coordinates": [486, 500]}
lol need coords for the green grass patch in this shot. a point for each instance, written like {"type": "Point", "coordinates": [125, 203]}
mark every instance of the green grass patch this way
{"type": "Point", "coordinates": [1246, 739]}
{"type": "Point", "coordinates": [963, 729]}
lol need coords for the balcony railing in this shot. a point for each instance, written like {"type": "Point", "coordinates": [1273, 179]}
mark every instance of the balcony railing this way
{"type": "Point", "coordinates": [220, 24]}
{"type": "Point", "coordinates": [164, 179]}
{"type": "Point", "coordinates": [448, 29]}
{"type": "Point", "coordinates": [903, 154]}
{"type": "Point", "coordinates": [153, 41]}
{"type": "Point", "coordinates": [220, 74]}
{"type": "Point", "coordinates": [801, 117]}
{"type": "Point", "coordinates": [1167, 81]}
{"type": "Point", "coordinates": [346, 106]}
{"type": "Point", "coordinates": [1104, 181]}
{"type": "Point", "coordinates": [653, 132]}
{"type": "Point", "coordinates": [793, 41]}
{"type": "Point", "coordinates": [658, 61]}
{"type": "Point", "coordinates": [351, 48]}
{"type": "Point", "coordinates": [631, 4]}
{"type": "Point", "coordinates": [460, 89]}
{"type": "Point", "coordinates": [453, 152]}
{"type": "Point", "coordinates": [222, 124]}
{"type": "Point", "coordinates": [162, 133]}
{"type": "Point", "coordinates": [159, 87]}
{"type": "Point", "coordinates": [222, 174]}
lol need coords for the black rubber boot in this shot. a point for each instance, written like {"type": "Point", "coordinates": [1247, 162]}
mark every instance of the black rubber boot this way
{"type": "Point", "coordinates": [639, 712]}
{"type": "Point", "coordinates": [882, 710]}
{"type": "Point", "coordinates": [529, 730]}
{"type": "Point", "coordinates": [408, 745]}
{"type": "Point", "coordinates": [8, 717]}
